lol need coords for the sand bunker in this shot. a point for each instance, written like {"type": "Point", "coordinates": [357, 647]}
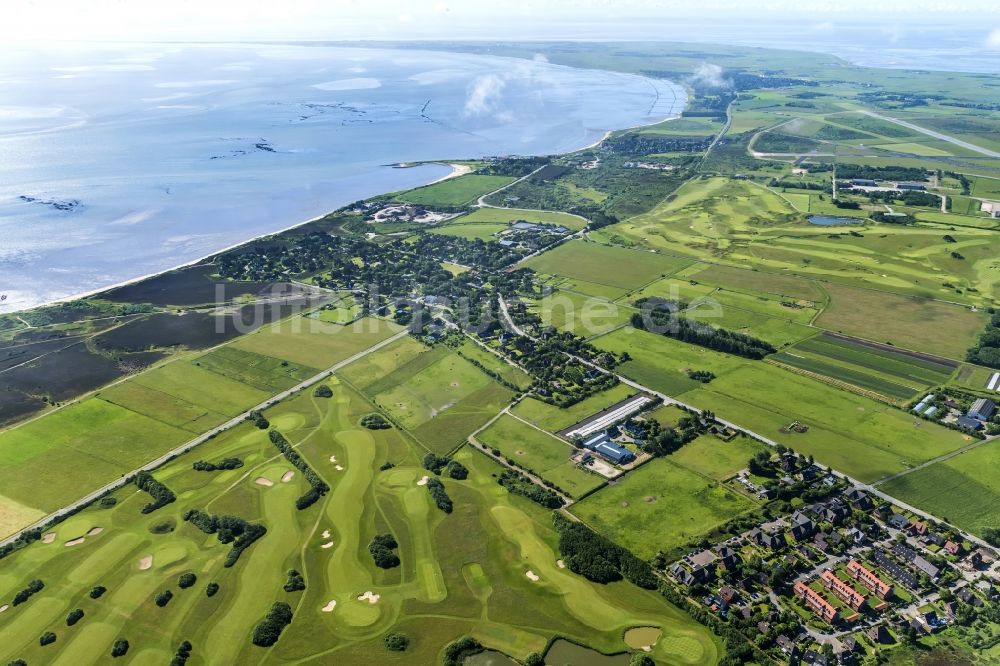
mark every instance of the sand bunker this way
{"type": "Point", "coordinates": [560, 564]}
{"type": "Point", "coordinates": [94, 531]}
{"type": "Point", "coordinates": [261, 481]}
{"type": "Point", "coordinates": [287, 476]}
{"type": "Point", "coordinates": [531, 575]}
{"type": "Point", "coordinates": [423, 481]}
{"type": "Point", "coordinates": [330, 605]}
{"type": "Point", "coordinates": [326, 534]}
{"type": "Point", "coordinates": [75, 542]}
{"type": "Point", "coordinates": [49, 538]}
{"type": "Point", "coordinates": [328, 544]}
{"type": "Point", "coordinates": [339, 468]}
{"type": "Point", "coordinates": [3, 608]}
{"type": "Point", "coordinates": [370, 597]}
{"type": "Point", "coordinates": [146, 563]}
{"type": "Point", "coordinates": [333, 458]}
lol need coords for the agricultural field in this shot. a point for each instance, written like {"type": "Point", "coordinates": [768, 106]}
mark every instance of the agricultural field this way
{"type": "Point", "coordinates": [894, 373]}
{"type": "Point", "coordinates": [933, 327]}
{"type": "Point", "coordinates": [315, 343]}
{"type": "Point", "coordinates": [660, 507]}
{"type": "Point", "coordinates": [540, 452]}
{"type": "Point", "coordinates": [454, 191]}
{"type": "Point", "coordinates": [507, 372]}
{"type": "Point", "coordinates": [488, 569]}
{"type": "Point", "coordinates": [506, 216]}
{"type": "Point", "coordinates": [712, 457]}
{"type": "Point", "coordinates": [610, 266]}
{"type": "Point", "coordinates": [439, 397]}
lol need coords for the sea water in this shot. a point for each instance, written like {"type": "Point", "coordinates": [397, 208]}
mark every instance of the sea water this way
{"type": "Point", "coordinates": [120, 161]}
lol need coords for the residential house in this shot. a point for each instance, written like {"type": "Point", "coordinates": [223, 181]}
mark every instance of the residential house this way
{"type": "Point", "coordinates": [856, 536]}
{"type": "Point", "coordinates": [815, 602]}
{"type": "Point", "coordinates": [859, 499]}
{"type": "Point", "coordinates": [728, 558]}
{"type": "Point", "coordinates": [772, 541]}
{"type": "Point", "coordinates": [935, 538]}
{"type": "Point", "coordinates": [896, 570]}
{"type": "Point", "coordinates": [916, 560]}
{"type": "Point", "coordinates": [786, 644]}
{"type": "Point", "coordinates": [966, 596]}
{"type": "Point", "coordinates": [842, 590]}
{"type": "Point", "coordinates": [869, 579]}
{"type": "Point", "coordinates": [802, 526]}
{"type": "Point", "coordinates": [835, 512]}
{"type": "Point", "coordinates": [763, 627]}
{"type": "Point", "coordinates": [878, 635]}
{"type": "Point", "coordinates": [899, 521]}
{"type": "Point", "coordinates": [918, 528]}
{"type": "Point", "coordinates": [728, 594]}
{"type": "Point", "coordinates": [701, 559]}
{"type": "Point", "coordinates": [953, 548]}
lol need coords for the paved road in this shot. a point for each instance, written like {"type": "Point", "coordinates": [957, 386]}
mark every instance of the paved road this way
{"type": "Point", "coordinates": [937, 135]}
{"type": "Point", "coordinates": [187, 446]}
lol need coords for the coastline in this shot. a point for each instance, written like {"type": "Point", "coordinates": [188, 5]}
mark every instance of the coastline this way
{"type": "Point", "coordinates": [456, 171]}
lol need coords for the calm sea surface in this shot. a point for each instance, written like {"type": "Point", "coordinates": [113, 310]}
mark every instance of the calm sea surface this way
{"type": "Point", "coordinates": [116, 162]}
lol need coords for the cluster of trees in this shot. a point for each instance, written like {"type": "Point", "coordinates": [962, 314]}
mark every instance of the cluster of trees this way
{"type": "Point", "coordinates": [258, 420]}
{"type": "Point", "coordinates": [375, 421]}
{"type": "Point", "coordinates": [396, 641]}
{"type": "Point", "coordinates": [649, 144]}
{"type": "Point", "coordinates": [163, 598]}
{"type": "Point", "coordinates": [295, 582]}
{"type": "Point", "coordinates": [703, 376]}
{"type": "Point", "coordinates": [382, 549]}
{"type": "Point", "coordinates": [885, 218]}
{"type": "Point", "coordinates": [598, 559]}
{"type": "Point", "coordinates": [662, 317]}
{"type": "Point", "coordinates": [268, 630]}
{"type": "Point", "coordinates": [225, 463]}
{"type": "Point", "coordinates": [48, 638]}
{"type": "Point", "coordinates": [211, 589]}
{"type": "Point", "coordinates": [513, 166]}
{"type": "Point", "coordinates": [186, 580]}
{"type": "Point", "coordinates": [34, 587]}
{"type": "Point", "coordinates": [323, 391]}
{"type": "Point", "coordinates": [846, 205]}
{"type": "Point", "coordinates": [97, 591]}
{"type": "Point", "coordinates": [182, 655]}
{"type": "Point", "coordinates": [519, 484]}
{"type": "Point", "coordinates": [662, 441]}
{"type": "Point", "coordinates": [74, 616]}
{"type": "Point", "coordinates": [228, 529]}
{"type": "Point", "coordinates": [456, 652]}
{"type": "Point", "coordinates": [987, 349]}
{"type": "Point", "coordinates": [161, 495]}
{"type": "Point", "coordinates": [439, 495]}
{"type": "Point", "coordinates": [120, 648]}
{"type": "Point", "coordinates": [889, 172]}
{"type": "Point", "coordinates": [317, 486]}
{"type": "Point", "coordinates": [438, 464]}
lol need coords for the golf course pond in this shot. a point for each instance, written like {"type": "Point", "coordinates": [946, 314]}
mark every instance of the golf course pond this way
{"type": "Point", "coordinates": [828, 221]}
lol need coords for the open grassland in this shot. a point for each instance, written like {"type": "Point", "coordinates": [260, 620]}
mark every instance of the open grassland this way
{"type": "Point", "coordinates": [552, 418]}
{"type": "Point", "coordinates": [766, 398]}
{"type": "Point", "coordinates": [470, 231]}
{"type": "Point", "coordinates": [461, 573]}
{"type": "Point", "coordinates": [710, 456]}
{"type": "Point", "coordinates": [660, 506]}
{"type": "Point", "coordinates": [315, 343]}
{"type": "Point", "coordinates": [610, 266]}
{"type": "Point", "coordinates": [505, 216]}
{"type": "Point", "coordinates": [585, 316]}
{"type": "Point", "coordinates": [440, 397]}
{"type": "Point", "coordinates": [370, 368]}
{"type": "Point", "coordinates": [929, 326]}
{"type": "Point", "coordinates": [542, 453]}
{"type": "Point", "coordinates": [963, 490]}
{"type": "Point", "coordinates": [496, 365]}
{"type": "Point", "coordinates": [454, 191]}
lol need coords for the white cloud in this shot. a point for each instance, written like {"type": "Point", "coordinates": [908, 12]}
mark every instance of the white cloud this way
{"type": "Point", "coordinates": [362, 83]}
{"type": "Point", "coordinates": [540, 57]}
{"type": "Point", "coordinates": [709, 75]}
{"type": "Point", "coordinates": [484, 94]}
{"type": "Point", "coordinates": [993, 41]}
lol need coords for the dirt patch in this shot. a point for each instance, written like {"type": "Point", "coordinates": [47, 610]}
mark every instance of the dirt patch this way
{"type": "Point", "coordinates": [94, 531]}
{"type": "Point", "coordinates": [649, 498]}
{"type": "Point", "coordinates": [624, 504]}
{"type": "Point", "coordinates": [75, 542]}
{"type": "Point", "coordinates": [287, 476]}
{"type": "Point", "coordinates": [146, 563]}
{"type": "Point", "coordinates": [370, 597]}
{"type": "Point", "coordinates": [519, 452]}
{"type": "Point", "coordinates": [261, 481]}
{"type": "Point", "coordinates": [49, 538]}
{"type": "Point", "coordinates": [330, 605]}
{"type": "Point", "coordinates": [532, 576]}
{"type": "Point", "coordinates": [454, 385]}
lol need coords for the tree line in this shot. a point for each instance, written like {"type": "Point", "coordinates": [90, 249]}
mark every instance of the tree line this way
{"type": "Point", "coordinates": [228, 529]}
{"type": "Point", "coordinates": [225, 463]}
{"type": "Point", "coordinates": [317, 486]}
{"type": "Point", "coordinates": [161, 495]}
{"type": "Point", "coordinates": [597, 559]}
{"type": "Point", "coordinates": [269, 629]}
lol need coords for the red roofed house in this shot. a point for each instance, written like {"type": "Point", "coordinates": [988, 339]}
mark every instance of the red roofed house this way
{"type": "Point", "coordinates": [845, 592]}
{"type": "Point", "coordinates": [815, 602]}
{"type": "Point", "coordinates": [869, 579]}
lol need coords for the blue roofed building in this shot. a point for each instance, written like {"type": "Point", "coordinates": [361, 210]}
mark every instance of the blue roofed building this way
{"type": "Point", "coordinates": [614, 453]}
{"type": "Point", "coordinates": [595, 440]}
{"type": "Point", "coordinates": [982, 409]}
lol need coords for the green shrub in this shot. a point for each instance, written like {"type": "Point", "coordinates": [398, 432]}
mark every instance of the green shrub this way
{"type": "Point", "coordinates": [211, 589]}
{"type": "Point", "coordinates": [396, 641]}
{"type": "Point", "coordinates": [186, 580]}
{"type": "Point", "coordinates": [163, 598]}
{"type": "Point", "coordinates": [268, 630]}
{"type": "Point", "coordinates": [120, 648]}
{"type": "Point", "coordinates": [97, 591]}
{"type": "Point", "coordinates": [46, 639]}
{"type": "Point", "coordinates": [74, 616]}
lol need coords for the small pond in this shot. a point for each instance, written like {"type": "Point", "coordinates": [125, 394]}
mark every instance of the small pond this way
{"type": "Point", "coordinates": [489, 658]}
{"type": "Point", "coordinates": [828, 221]}
{"type": "Point", "coordinates": [564, 652]}
{"type": "Point", "coordinates": [640, 637]}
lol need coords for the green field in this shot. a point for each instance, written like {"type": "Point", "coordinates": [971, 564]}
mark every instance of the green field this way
{"type": "Point", "coordinates": [454, 191]}
{"type": "Point", "coordinates": [440, 397]}
{"type": "Point", "coordinates": [539, 452]}
{"type": "Point", "coordinates": [660, 507]}
{"type": "Point", "coordinates": [610, 266]}
{"type": "Point", "coordinates": [505, 216]}
{"type": "Point", "coordinates": [712, 457]}
{"type": "Point", "coordinates": [552, 418]}
{"type": "Point", "coordinates": [962, 490]}
{"type": "Point", "coordinates": [315, 343]}
{"type": "Point", "coordinates": [461, 573]}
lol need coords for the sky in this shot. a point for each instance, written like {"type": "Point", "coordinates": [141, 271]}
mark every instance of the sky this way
{"type": "Point", "coordinates": [44, 21]}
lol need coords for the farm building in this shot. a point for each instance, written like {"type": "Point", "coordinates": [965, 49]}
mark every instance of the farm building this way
{"type": "Point", "coordinates": [595, 441]}
{"type": "Point", "coordinates": [992, 383]}
{"type": "Point", "coordinates": [864, 182]}
{"type": "Point", "coordinates": [911, 186]}
{"type": "Point", "coordinates": [982, 409]}
{"type": "Point", "coordinates": [614, 453]}
{"type": "Point", "coordinates": [968, 423]}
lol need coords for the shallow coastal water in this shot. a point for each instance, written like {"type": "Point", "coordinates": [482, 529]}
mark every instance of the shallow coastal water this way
{"type": "Point", "coordinates": [116, 162]}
